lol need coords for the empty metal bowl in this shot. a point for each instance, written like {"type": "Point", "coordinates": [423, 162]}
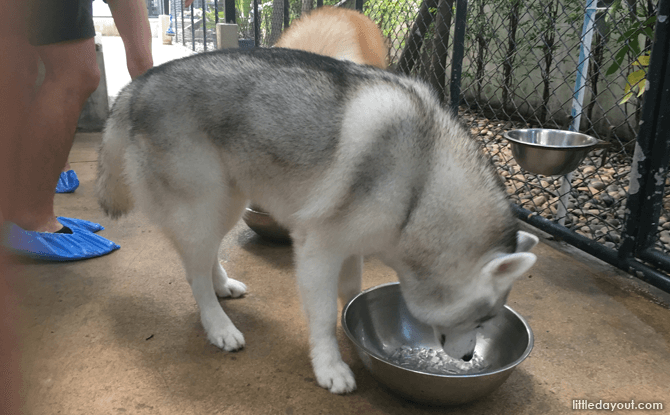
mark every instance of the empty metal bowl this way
{"type": "Point", "coordinates": [549, 152]}
{"type": "Point", "coordinates": [265, 226]}
{"type": "Point", "coordinates": [378, 322]}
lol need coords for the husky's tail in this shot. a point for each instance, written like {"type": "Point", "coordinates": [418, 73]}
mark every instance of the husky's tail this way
{"type": "Point", "coordinates": [111, 189]}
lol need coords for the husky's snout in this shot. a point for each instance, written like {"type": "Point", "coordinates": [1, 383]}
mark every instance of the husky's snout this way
{"type": "Point", "coordinates": [455, 344]}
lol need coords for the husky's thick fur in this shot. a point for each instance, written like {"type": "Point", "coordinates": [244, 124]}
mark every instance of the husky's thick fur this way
{"type": "Point", "coordinates": [339, 33]}
{"type": "Point", "coordinates": [352, 159]}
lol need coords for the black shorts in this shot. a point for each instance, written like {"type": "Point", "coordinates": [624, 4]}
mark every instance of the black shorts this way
{"type": "Point", "coordinates": [53, 21]}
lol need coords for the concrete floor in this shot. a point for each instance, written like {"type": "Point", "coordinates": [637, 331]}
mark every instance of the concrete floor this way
{"type": "Point", "coordinates": [121, 333]}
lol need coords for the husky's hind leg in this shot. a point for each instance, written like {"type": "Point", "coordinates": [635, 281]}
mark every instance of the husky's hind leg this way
{"type": "Point", "coordinates": [350, 278]}
{"type": "Point", "coordinates": [197, 239]}
{"type": "Point", "coordinates": [318, 270]}
{"type": "Point", "coordinates": [225, 286]}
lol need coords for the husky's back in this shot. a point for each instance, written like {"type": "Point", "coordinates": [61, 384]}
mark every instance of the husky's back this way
{"type": "Point", "coordinates": [275, 118]}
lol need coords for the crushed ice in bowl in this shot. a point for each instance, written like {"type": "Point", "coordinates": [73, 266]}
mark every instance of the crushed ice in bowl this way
{"type": "Point", "coordinates": [436, 362]}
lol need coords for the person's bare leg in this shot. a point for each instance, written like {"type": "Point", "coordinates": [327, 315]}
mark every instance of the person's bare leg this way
{"type": "Point", "coordinates": [72, 74]}
{"type": "Point", "coordinates": [17, 91]}
{"type": "Point", "coordinates": [17, 83]}
{"type": "Point", "coordinates": [16, 54]}
{"type": "Point", "coordinates": [132, 20]}
{"type": "Point", "coordinates": [10, 377]}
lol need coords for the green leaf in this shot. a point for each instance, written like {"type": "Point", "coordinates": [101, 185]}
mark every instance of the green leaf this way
{"type": "Point", "coordinates": [651, 21]}
{"type": "Point", "coordinates": [621, 54]}
{"type": "Point", "coordinates": [618, 59]}
{"type": "Point", "coordinates": [633, 27]}
{"type": "Point", "coordinates": [616, 6]}
{"type": "Point", "coordinates": [631, 32]}
{"type": "Point", "coordinates": [613, 68]}
{"type": "Point", "coordinates": [649, 32]}
{"type": "Point", "coordinates": [642, 61]}
{"type": "Point", "coordinates": [635, 45]}
{"type": "Point", "coordinates": [626, 98]}
{"type": "Point", "coordinates": [642, 85]}
{"type": "Point", "coordinates": [635, 77]}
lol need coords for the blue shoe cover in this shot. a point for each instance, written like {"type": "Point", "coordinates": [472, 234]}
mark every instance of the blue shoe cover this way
{"type": "Point", "coordinates": [67, 182]}
{"type": "Point", "coordinates": [81, 244]}
{"type": "Point", "coordinates": [73, 223]}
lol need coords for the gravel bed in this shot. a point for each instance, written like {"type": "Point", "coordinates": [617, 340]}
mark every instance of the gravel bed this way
{"type": "Point", "coordinates": [597, 201]}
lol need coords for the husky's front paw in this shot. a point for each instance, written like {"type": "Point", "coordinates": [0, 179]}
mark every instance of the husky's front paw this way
{"type": "Point", "coordinates": [230, 288]}
{"type": "Point", "coordinates": [229, 339]}
{"type": "Point", "coordinates": [337, 377]}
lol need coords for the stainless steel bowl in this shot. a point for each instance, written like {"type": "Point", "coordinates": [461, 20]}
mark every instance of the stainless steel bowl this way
{"type": "Point", "coordinates": [378, 322]}
{"type": "Point", "coordinates": [549, 152]}
{"type": "Point", "coordinates": [264, 225]}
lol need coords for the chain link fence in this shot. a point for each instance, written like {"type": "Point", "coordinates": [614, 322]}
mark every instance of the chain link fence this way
{"type": "Point", "coordinates": [520, 67]}
{"type": "Point", "coordinates": [535, 89]}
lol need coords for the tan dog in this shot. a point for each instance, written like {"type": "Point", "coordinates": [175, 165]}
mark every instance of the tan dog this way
{"type": "Point", "coordinates": [340, 33]}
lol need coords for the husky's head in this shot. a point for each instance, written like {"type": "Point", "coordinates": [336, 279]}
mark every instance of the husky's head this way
{"type": "Point", "coordinates": [473, 292]}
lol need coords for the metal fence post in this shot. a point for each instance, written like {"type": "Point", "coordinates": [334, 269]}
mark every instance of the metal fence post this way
{"type": "Point", "coordinates": [459, 52]}
{"type": "Point", "coordinates": [230, 11]}
{"type": "Point", "coordinates": [415, 36]}
{"type": "Point", "coordinates": [204, 24]}
{"type": "Point", "coordinates": [656, 145]}
{"type": "Point", "coordinates": [183, 27]}
{"type": "Point", "coordinates": [257, 29]}
{"type": "Point", "coordinates": [173, 11]}
{"type": "Point", "coordinates": [287, 14]}
{"type": "Point", "coordinates": [650, 160]}
{"type": "Point", "coordinates": [440, 44]}
{"type": "Point", "coordinates": [192, 27]}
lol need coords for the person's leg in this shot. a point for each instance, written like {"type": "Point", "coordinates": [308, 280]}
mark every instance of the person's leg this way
{"type": "Point", "coordinates": [10, 376]}
{"type": "Point", "coordinates": [16, 53]}
{"type": "Point", "coordinates": [72, 74]}
{"type": "Point", "coordinates": [132, 20]}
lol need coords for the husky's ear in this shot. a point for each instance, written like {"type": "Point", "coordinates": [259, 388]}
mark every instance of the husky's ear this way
{"type": "Point", "coordinates": [507, 268]}
{"type": "Point", "coordinates": [525, 241]}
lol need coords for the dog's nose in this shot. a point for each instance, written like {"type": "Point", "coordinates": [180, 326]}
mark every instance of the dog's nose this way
{"type": "Point", "coordinates": [455, 343]}
{"type": "Point", "coordinates": [466, 358]}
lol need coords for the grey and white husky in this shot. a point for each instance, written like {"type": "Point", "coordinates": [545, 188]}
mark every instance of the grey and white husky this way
{"type": "Point", "coordinates": [353, 160]}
